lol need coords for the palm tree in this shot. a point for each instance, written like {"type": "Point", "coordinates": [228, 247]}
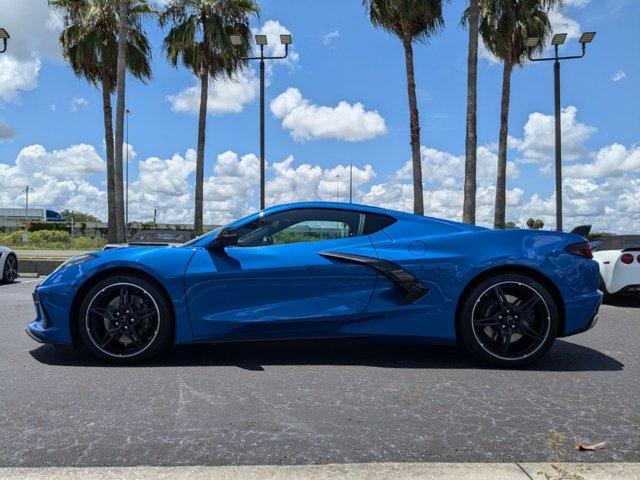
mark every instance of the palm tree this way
{"type": "Point", "coordinates": [504, 27]}
{"type": "Point", "coordinates": [199, 38]}
{"type": "Point", "coordinates": [123, 16]}
{"type": "Point", "coordinates": [410, 21]}
{"type": "Point", "coordinates": [471, 141]}
{"type": "Point", "coordinates": [89, 44]}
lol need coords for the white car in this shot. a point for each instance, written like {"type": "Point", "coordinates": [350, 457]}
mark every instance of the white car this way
{"type": "Point", "coordinates": [619, 260]}
{"type": "Point", "coordinates": [8, 265]}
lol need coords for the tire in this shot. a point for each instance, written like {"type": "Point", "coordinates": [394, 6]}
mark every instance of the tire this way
{"type": "Point", "coordinates": [509, 320]}
{"type": "Point", "coordinates": [10, 269]}
{"type": "Point", "coordinates": [125, 319]}
{"type": "Point", "coordinates": [606, 296]}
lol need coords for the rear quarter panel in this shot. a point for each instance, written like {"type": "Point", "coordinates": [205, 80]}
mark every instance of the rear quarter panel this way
{"type": "Point", "coordinates": [447, 256]}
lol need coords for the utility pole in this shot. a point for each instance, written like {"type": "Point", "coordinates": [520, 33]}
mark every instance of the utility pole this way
{"type": "Point", "coordinates": [351, 183]}
{"type": "Point", "coordinates": [155, 215]}
{"type": "Point", "coordinates": [26, 190]}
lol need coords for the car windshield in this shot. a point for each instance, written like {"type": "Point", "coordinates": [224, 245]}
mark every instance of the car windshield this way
{"type": "Point", "coordinates": [207, 237]}
{"type": "Point", "coordinates": [212, 234]}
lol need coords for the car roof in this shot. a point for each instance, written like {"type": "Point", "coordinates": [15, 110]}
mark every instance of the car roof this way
{"type": "Point", "coordinates": [336, 206]}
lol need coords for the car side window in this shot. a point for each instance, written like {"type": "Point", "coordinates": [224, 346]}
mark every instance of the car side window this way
{"type": "Point", "coordinates": [374, 223]}
{"type": "Point", "coordinates": [302, 225]}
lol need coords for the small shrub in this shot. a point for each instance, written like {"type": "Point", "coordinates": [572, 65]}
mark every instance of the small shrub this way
{"type": "Point", "coordinates": [12, 238]}
{"type": "Point", "coordinates": [88, 243]}
{"type": "Point", "coordinates": [45, 238]}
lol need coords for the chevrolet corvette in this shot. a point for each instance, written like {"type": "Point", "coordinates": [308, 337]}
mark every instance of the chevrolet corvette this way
{"type": "Point", "coordinates": [328, 270]}
{"type": "Point", "coordinates": [8, 265]}
{"type": "Point", "coordinates": [619, 260]}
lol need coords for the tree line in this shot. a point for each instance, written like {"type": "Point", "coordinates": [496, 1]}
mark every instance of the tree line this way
{"type": "Point", "coordinates": [104, 39]}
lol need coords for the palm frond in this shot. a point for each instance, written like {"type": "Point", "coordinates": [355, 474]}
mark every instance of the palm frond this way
{"type": "Point", "coordinates": [414, 20]}
{"type": "Point", "coordinates": [199, 36]}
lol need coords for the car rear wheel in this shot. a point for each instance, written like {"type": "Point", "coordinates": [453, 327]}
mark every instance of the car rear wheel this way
{"type": "Point", "coordinates": [10, 270]}
{"type": "Point", "coordinates": [509, 320]}
{"type": "Point", "coordinates": [125, 319]}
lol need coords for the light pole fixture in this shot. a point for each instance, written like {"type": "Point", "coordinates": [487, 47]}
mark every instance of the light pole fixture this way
{"type": "Point", "coordinates": [557, 40]}
{"type": "Point", "coordinates": [261, 41]}
{"type": "Point", "coordinates": [126, 168]}
{"type": "Point", "coordinates": [4, 36]}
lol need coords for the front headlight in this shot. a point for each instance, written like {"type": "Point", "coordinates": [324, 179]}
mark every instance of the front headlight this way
{"type": "Point", "coordinates": [77, 260]}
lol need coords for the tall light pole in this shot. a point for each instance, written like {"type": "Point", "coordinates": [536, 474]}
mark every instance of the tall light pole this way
{"type": "Point", "coordinates": [4, 36]}
{"type": "Point", "coordinates": [126, 169]}
{"type": "Point", "coordinates": [261, 40]}
{"type": "Point", "coordinates": [557, 40]}
{"type": "Point", "coordinates": [26, 190]}
{"type": "Point", "coordinates": [351, 183]}
{"type": "Point", "coordinates": [337, 188]}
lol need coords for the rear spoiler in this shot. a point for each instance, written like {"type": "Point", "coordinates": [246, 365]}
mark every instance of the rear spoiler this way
{"type": "Point", "coordinates": [631, 249]}
{"type": "Point", "coordinates": [582, 230]}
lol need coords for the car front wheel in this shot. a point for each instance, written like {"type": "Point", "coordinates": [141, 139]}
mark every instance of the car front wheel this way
{"type": "Point", "coordinates": [125, 319]}
{"type": "Point", "coordinates": [509, 320]}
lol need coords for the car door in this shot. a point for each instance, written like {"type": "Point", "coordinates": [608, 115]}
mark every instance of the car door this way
{"type": "Point", "coordinates": [276, 283]}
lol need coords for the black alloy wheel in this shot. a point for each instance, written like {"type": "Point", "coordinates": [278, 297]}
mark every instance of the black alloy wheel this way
{"type": "Point", "coordinates": [509, 320]}
{"type": "Point", "coordinates": [125, 319]}
{"type": "Point", "coordinates": [10, 273]}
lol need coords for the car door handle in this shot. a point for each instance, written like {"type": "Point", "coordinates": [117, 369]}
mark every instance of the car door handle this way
{"type": "Point", "coordinates": [413, 288]}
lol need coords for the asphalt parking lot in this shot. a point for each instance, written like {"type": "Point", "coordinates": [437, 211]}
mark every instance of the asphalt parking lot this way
{"type": "Point", "coordinates": [318, 402]}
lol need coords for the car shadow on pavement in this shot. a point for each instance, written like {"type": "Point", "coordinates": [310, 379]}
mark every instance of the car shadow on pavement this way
{"type": "Point", "coordinates": [563, 357]}
{"type": "Point", "coordinates": [623, 301]}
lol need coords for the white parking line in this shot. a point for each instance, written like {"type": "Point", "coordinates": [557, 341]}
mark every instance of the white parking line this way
{"type": "Point", "coordinates": [362, 471]}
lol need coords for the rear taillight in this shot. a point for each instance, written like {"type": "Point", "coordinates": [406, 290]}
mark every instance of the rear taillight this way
{"type": "Point", "coordinates": [627, 259]}
{"type": "Point", "coordinates": [638, 258]}
{"type": "Point", "coordinates": [580, 249]}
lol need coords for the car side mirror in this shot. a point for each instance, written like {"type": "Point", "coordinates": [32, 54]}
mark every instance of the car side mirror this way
{"type": "Point", "coordinates": [224, 240]}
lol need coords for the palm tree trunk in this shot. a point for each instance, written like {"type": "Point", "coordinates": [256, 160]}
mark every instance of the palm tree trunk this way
{"type": "Point", "coordinates": [501, 182]}
{"type": "Point", "coordinates": [120, 92]}
{"type": "Point", "coordinates": [202, 126]}
{"type": "Point", "coordinates": [108, 139]}
{"type": "Point", "coordinates": [471, 141]}
{"type": "Point", "coordinates": [414, 126]}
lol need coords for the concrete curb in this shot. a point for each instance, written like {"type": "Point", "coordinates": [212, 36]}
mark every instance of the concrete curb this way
{"type": "Point", "coordinates": [362, 471]}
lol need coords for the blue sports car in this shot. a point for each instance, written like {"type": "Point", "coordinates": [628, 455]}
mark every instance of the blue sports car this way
{"type": "Point", "coordinates": [328, 270]}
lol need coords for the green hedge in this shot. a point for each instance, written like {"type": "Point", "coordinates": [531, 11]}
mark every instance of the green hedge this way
{"type": "Point", "coordinates": [51, 239]}
{"type": "Point", "coordinates": [50, 226]}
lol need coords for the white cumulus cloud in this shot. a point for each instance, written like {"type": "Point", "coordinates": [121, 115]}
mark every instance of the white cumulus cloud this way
{"type": "Point", "coordinates": [538, 142]}
{"type": "Point", "coordinates": [34, 30]}
{"type": "Point", "coordinates": [345, 121]}
{"type": "Point", "coordinates": [619, 75]}
{"type": "Point", "coordinates": [273, 29]}
{"type": "Point", "coordinates": [226, 95]}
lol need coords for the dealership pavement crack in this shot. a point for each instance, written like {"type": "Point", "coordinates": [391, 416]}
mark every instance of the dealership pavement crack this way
{"type": "Point", "coordinates": [318, 402]}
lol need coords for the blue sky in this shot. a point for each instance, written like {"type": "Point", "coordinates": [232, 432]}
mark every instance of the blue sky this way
{"type": "Point", "coordinates": [337, 57]}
